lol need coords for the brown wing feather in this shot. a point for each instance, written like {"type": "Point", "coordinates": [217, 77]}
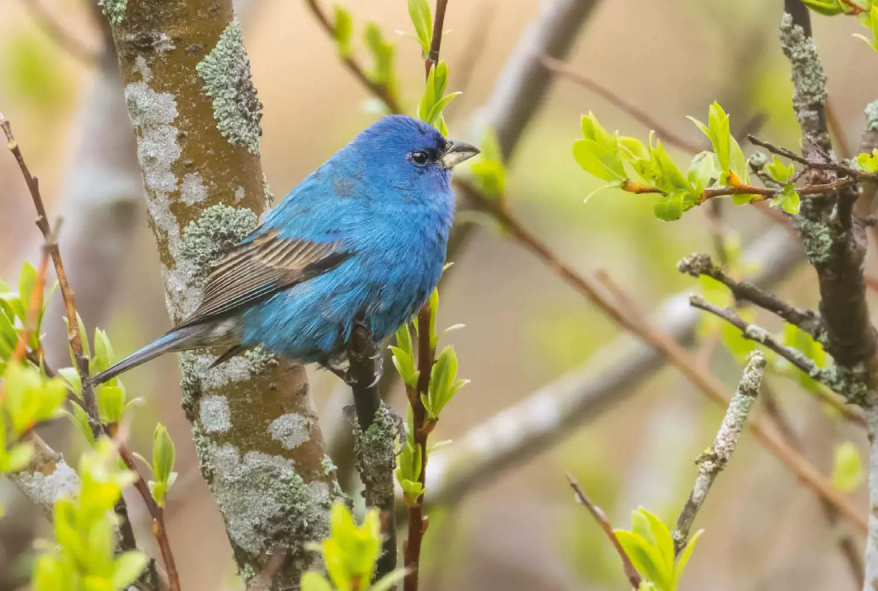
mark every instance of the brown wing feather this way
{"type": "Point", "coordinates": [257, 269]}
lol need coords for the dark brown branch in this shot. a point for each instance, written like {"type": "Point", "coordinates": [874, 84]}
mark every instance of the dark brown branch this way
{"type": "Point", "coordinates": [381, 91]}
{"type": "Point", "coordinates": [560, 68]}
{"type": "Point", "coordinates": [601, 518]}
{"type": "Point", "coordinates": [701, 264]}
{"type": "Point", "coordinates": [374, 438]}
{"type": "Point", "coordinates": [436, 42]}
{"type": "Point", "coordinates": [714, 460]}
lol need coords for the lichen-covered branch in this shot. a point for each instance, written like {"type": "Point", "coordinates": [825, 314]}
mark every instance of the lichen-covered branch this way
{"type": "Point", "coordinates": [374, 435]}
{"type": "Point", "coordinates": [197, 119]}
{"type": "Point", "coordinates": [832, 378]}
{"type": "Point", "coordinates": [47, 477]}
{"type": "Point", "coordinates": [701, 264]}
{"type": "Point", "coordinates": [714, 460]}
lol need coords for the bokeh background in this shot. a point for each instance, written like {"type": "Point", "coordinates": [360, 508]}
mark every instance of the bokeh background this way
{"type": "Point", "coordinates": [524, 327]}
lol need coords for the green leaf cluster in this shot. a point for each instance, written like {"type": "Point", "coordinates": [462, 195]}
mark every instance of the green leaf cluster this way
{"type": "Point", "coordinates": [404, 357]}
{"type": "Point", "coordinates": [383, 56]}
{"type": "Point", "coordinates": [382, 51]}
{"type": "Point", "coordinates": [410, 461]}
{"type": "Point", "coordinates": [435, 100]}
{"type": "Point", "coordinates": [489, 172]}
{"type": "Point", "coordinates": [83, 556]}
{"type": "Point", "coordinates": [627, 163]}
{"type": "Point", "coordinates": [163, 458]}
{"type": "Point", "coordinates": [650, 548]}
{"type": "Point", "coordinates": [350, 554]}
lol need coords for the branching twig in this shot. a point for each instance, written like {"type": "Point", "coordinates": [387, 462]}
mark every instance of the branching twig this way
{"type": "Point", "coordinates": [42, 223]}
{"type": "Point", "coordinates": [560, 68]}
{"type": "Point", "coordinates": [381, 91]}
{"type": "Point", "coordinates": [701, 264]}
{"type": "Point", "coordinates": [601, 518]}
{"type": "Point", "coordinates": [714, 460]}
{"type": "Point", "coordinates": [796, 358]}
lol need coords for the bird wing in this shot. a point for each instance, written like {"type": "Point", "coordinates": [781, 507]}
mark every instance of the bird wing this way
{"type": "Point", "coordinates": [256, 269]}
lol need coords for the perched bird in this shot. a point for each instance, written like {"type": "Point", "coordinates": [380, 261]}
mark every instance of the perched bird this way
{"type": "Point", "coordinates": [361, 239]}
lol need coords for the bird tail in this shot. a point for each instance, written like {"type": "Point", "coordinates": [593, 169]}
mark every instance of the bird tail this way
{"type": "Point", "coordinates": [179, 339]}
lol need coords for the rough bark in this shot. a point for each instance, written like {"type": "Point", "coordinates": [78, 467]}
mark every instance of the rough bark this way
{"type": "Point", "coordinates": [196, 118]}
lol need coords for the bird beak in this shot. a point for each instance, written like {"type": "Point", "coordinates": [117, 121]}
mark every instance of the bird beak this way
{"type": "Point", "coordinates": [456, 152]}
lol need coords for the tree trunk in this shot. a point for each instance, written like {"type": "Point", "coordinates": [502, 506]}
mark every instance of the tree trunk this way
{"type": "Point", "coordinates": [197, 120]}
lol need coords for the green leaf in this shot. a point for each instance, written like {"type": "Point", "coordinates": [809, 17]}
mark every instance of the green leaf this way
{"type": "Point", "coordinates": [419, 12]}
{"type": "Point", "coordinates": [80, 419]}
{"type": "Point", "coordinates": [163, 454]}
{"type": "Point", "coordinates": [788, 200]}
{"type": "Point", "coordinates": [382, 54]}
{"type": "Point", "coordinates": [661, 536]}
{"type": "Point", "coordinates": [313, 581]}
{"type": "Point", "coordinates": [670, 207]}
{"type": "Point", "coordinates": [847, 470]}
{"type": "Point", "coordinates": [645, 557]}
{"type": "Point", "coordinates": [825, 7]}
{"type": "Point", "coordinates": [342, 31]}
{"type": "Point", "coordinates": [15, 458]}
{"type": "Point", "coordinates": [684, 557]}
{"type": "Point", "coordinates": [599, 161]}
{"type": "Point", "coordinates": [439, 106]}
{"type": "Point", "coordinates": [779, 171]}
{"type": "Point", "coordinates": [703, 171]}
{"type": "Point", "coordinates": [27, 281]}
{"type": "Point", "coordinates": [128, 567]}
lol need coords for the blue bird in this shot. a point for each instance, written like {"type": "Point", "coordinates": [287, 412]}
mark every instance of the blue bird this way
{"type": "Point", "coordinates": [361, 240]}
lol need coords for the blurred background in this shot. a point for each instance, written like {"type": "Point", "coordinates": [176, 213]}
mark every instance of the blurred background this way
{"type": "Point", "coordinates": [524, 327]}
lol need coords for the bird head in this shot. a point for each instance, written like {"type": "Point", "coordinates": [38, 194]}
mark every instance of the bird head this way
{"type": "Point", "coordinates": [409, 155]}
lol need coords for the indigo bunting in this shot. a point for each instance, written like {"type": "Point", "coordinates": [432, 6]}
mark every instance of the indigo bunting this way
{"type": "Point", "coordinates": [361, 239]}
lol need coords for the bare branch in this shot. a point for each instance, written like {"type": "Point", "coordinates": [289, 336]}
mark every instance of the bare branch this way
{"type": "Point", "coordinates": [559, 68]}
{"type": "Point", "coordinates": [701, 264]}
{"type": "Point", "coordinates": [601, 518]}
{"type": "Point", "coordinates": [714, 460]}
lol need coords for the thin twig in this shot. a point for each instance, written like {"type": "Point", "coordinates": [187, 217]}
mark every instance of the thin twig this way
{"type": "Point", "coordinates": [560, 68]}
{"type": "Point", "coordinates": [758, 334]}
{"type": "Point", "coordinates": [436, 42]}
{"type": "Point", "coordinates": [76, 343]}
{"type": "Point", "coordinates": [701, 264]}
{"type": "Point", "coordinates": [158, 519]}
{"type": "Point", "coordinates": [847, 545]}
{"type": "Point", "coordinates": [382, 92]}
{"type": "Point", "coordinates": [714, 460]}
{"type": "Point", "coordinates": [42, 223]}
{"type": "Point", "coordinates": [601, 518]}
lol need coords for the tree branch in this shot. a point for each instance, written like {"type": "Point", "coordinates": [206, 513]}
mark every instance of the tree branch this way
{"type": "Point", "coordinates": [559, 68]}
{"type": "Point", "coordinates": [601, 518]}
{"type": "Point", "coordinates": [374, 437]}
{"type": "Point", "coordinates": [701, 264]}
{"type": "Point", "coordinates": [714, 460]}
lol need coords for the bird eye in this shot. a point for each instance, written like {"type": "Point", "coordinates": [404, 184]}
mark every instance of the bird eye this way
{"type": "Point", "coordinates": [419, 157]}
